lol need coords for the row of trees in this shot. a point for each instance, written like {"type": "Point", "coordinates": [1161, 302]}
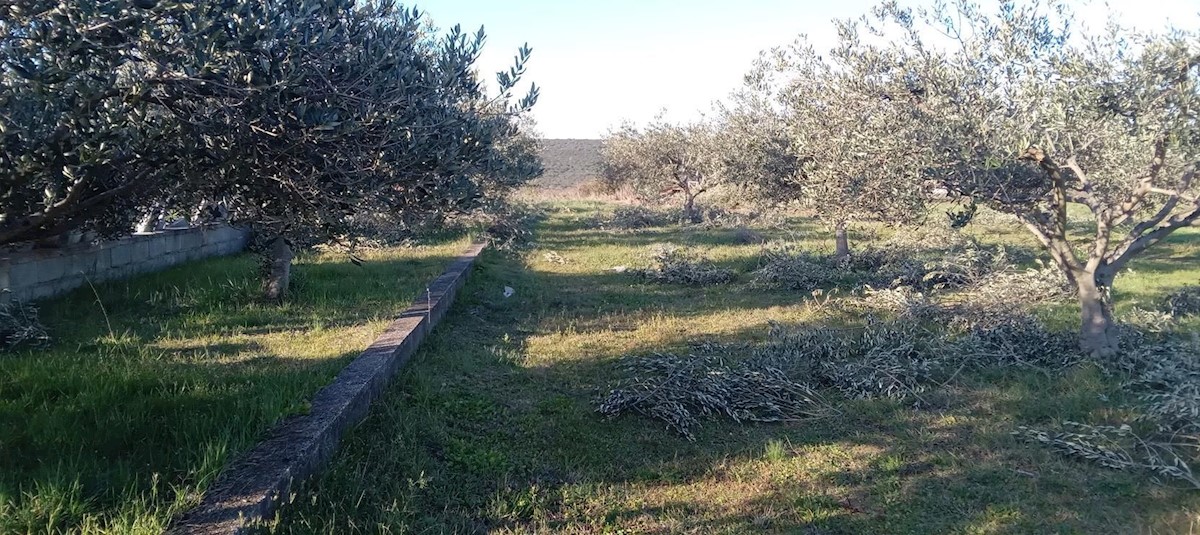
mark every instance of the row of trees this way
{"type": "Point", "coordinates": [1011, 109]}
{"type": "Point", "coordinates": [296, 115]}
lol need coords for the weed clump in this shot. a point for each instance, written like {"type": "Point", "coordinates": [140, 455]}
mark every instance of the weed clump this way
{"type": "Point", "coordinates": [674, 265]}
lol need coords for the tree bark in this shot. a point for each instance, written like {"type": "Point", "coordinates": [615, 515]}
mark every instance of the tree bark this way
{"type": "Point", "coordinates": [1098, 334]}
{"type": "Point", "coordinates": [842, 241]}
{"type": "Point", "coordinates": [689, 209]}
{"type": "Point", "coordinates": [278, 269]}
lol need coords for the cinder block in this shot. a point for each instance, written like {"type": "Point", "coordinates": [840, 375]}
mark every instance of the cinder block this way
{"type": "Point", "coordinates": [53, 268]}
{"type": "Point", "coordinates": [67, 284]}
{"type": "Point", "coordinates": [158, 263]}
{"type": "Point", "coordinates": [163, 244]}
{"type": "Point", "coordinates": [103, 261]}
{"type": "Point", "coordinates": [83, 263]}
{"type": "Point", "coordinates": [180, 257]}
{"type": "Point", "coordinates": [22, 275]}
{"type": "Point", "coordinates": [212, 235]}
{"type": "Point", "coordinates": [122, 271]}
{"type": "Point", "coordinates": [141, 250]}
{"type": "Point", "coordinates": [165, 261]}
{"type": "Point", "coordinates": [120, 254]}
{"type": "Point", "coordinates": [191, 239]}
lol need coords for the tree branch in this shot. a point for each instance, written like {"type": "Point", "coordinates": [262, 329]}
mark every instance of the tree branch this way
{"type": "Point", "coordinates": [1131, 248]}
{"type": "Point", "coordinates": [1158, 160]}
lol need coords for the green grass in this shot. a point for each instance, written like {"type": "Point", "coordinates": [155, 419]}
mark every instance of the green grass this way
{"type": "Point", "coordinates": [492, 428]}
{"type": "Point", "coordinates": [154, 383]}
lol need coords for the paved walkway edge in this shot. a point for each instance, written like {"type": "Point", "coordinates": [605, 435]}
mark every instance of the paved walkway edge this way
{"type": "Point", "coordinates": [250, 489]}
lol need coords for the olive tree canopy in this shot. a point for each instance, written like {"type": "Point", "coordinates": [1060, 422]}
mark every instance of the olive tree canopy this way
{"type": "Point", "coordinates": [294, 113]}
{"type": "Point", "coordinates": [664, 160]}
{"type": "Point", "coordinates": [845, 123]}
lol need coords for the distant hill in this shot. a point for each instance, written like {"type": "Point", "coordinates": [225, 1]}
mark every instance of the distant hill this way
{"type": "Point", "coordinates": [569, 162]}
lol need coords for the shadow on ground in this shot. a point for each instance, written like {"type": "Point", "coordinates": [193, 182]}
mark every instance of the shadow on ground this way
{"type": "Point", "coordinates": [152, 383]}
{"type": "Point", "coordinates": [493, 429]}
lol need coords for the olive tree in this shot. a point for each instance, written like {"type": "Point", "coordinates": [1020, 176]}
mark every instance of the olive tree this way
{"type": "Point", "coordinates": [81, 144]}
{"type": "Point", "coordinates": [293, 113]}
{"type": "Point", "coordinates": [1029, 118]}
{"type": "Point", "coordinates": [844, 123]}
{"type": "Point", "coordinates": [664, 160]}
{"type": "Point", "coordinates": [376, 113]}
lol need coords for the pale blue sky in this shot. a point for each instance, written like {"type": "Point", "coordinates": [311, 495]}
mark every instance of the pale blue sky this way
{"type": "Point", "coordinates": [599, 63]}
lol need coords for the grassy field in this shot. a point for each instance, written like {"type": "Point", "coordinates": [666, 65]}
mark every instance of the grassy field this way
{"type": "Point", "coordinates": [493, 426]}
{"type": "Point", "coordinates": [153, 383]}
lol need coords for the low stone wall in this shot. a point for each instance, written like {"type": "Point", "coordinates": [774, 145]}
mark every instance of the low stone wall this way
{"type": "Point", "coordinates": [39, 273]}
{"type": "Point", "coordinates": [248, 491]}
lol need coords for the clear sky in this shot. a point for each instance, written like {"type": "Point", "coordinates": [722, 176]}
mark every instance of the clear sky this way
{"type": "Point", "coordinates": [599, 63]}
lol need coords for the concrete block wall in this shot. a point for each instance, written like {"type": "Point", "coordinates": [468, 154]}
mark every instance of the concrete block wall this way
{"type": "Point", "coordinates": [38, 273]}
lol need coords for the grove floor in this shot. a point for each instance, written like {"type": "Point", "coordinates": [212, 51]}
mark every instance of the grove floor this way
{"type": "Point", "coordinates": [493, 428]}
{"type": "Point", "coordinates": [153, 383]}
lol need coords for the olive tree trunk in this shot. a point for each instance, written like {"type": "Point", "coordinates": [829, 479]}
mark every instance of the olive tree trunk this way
{"type": "Point", "coordinates": [689, 208]}
{"type": "Point", "coordinates": [842, 241]}
{"type": "Point", "coordinates": [1098, 333]}
{"type": "Point", "coordinates": [277, 270]}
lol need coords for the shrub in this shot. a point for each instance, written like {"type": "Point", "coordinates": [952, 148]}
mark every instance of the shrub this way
{"type": "Point", "coordinates": [20, 327]}
{"type": "Point", "coordinates": [674, 265]}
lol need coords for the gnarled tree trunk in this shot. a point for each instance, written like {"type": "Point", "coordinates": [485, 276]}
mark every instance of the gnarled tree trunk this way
{"type": "Point", "coordinates": [689, 208]}
{"type": "Point", "coordinates": [277, 269]}
{"type": "Point", "coordinates": [842, 241]}
{"type": "Point", "coordinates": [1098, 334]}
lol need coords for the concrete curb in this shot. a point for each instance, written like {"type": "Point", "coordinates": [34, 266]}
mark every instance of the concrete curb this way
{"type": "Point", "coordinates": [250, 489]}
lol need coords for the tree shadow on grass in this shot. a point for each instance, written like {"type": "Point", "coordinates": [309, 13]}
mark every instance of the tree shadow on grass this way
{"type": "Point", "coordinates": [153, 382]}
{"type": "Point", "coordinates": [475, 437]}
